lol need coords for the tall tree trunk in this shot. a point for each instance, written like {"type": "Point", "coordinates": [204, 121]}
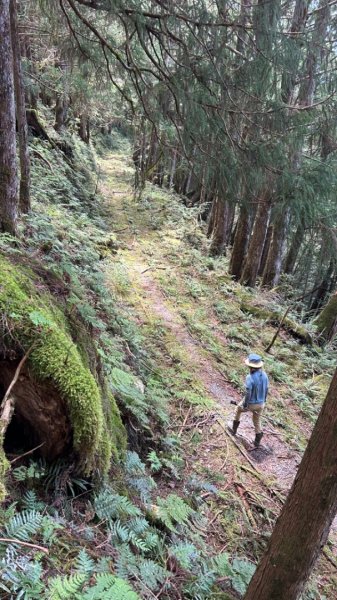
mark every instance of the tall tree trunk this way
{"type": "Point", "coordinates": [218, 230]}
{"type": "Point", "coordinates": [256, 244]}
{"type": "Point", "coordinates": [8, 166]}
{"type": "Point", "coordinates": [326, 322]}
{"type": "Point", "coordinates": [84, 128]}
{"type": "Point", "coordinates": [242, 35]}
{"type": "Point", "coordinates": [294, 249]}
{"type": "Point", "coordinates": [272, 270]}
{"type": "Point", "coordinates": [265, 252]}
{"type": "Point", "coordinates": [62, 99]}
{"type": "Point", "coordinates": [323, 289]}
{"type": "Point", "coordinates": [307, 88]}
{"type": "Point", "coordinates": [173, 168]}
{"type": "Point", "coordinates": [241, 240]}
{"type": "Point", "coordinates": [61, 111]}
{"type": "Point", "coordinates": [222, 223]}
{"type": "Point", "coordinates": [21, 118]}
{"type": "Point", "coordinates": [230, 222]}
{"type": "Point", "coordinates": [303, 525]}
{"type": "Point", "coordinates": [299, 19]}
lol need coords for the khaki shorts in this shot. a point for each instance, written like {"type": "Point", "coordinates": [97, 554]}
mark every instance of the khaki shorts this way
{"type": "Point", "coordinates": [256, 409]}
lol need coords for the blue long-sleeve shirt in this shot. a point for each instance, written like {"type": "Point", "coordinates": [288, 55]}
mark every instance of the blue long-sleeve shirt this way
{"type": "Point", "coordinates": [256, 387]}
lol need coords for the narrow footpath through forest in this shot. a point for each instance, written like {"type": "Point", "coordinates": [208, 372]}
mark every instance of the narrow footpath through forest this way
{"type": "Point", "coordinates": [269, 470]}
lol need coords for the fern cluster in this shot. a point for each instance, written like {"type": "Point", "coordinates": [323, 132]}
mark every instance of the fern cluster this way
{"type": "Point", "coordinates": [77, 587]}
{"type": "Point", "coordinates": [173, 511]}
{"type": "Point", "coordinates": [137, 478]}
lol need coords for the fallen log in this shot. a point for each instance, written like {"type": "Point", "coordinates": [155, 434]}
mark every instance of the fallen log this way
{"type": "Point", "coordinates": [275, 318]}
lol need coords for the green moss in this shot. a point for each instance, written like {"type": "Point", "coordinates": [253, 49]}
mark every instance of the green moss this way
{"type": "Point", "coordinates": [33, 321]}
{"type": "Point", "coordinates": [116, 428]}
{"type": "Point", "coordinates": [113, 441]}
{"type": "Point", "coordinates": [4, 466]}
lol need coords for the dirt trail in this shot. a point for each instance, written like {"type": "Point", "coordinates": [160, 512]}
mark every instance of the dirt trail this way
{"type": "Point", "coordinates": [274, 458]}
{"type": "Point", "coordinates": [275, 461]}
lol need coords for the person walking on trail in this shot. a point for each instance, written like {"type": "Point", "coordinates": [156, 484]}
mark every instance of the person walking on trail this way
{"type": "Point", "coordinates": [255, 398]}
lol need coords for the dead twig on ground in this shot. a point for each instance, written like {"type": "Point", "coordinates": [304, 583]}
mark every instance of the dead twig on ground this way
{"type": "Point", "coordinates": [8, 401]}
{"type": "Point", "coordinates": [26, 453]}
{"type": "Point", "coordinates": [225, 461]}
{"type": "Point", "coordinates": [153, 267]}
{"type": "Point", "coordinates": [243, 452]}
{"type": "Point", "coordinates": [185, 421]}
{"type": "Point", "coordinates": [330, 558]}
{"type": "Point", "coordinates": [250, 516]}
{"type": "Point", "coordinates": [15, 541]}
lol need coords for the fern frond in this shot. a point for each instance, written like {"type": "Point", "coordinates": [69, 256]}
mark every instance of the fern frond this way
{"type": "Point", "coordinates": [243, 571]}
{"type": "Point", "coordinates": [138, 542]}
{"type": "Point", "coordinates": [35, 470]}
{"type": "Point", "coordinates": [143, 485]}
{"type": "Point", "coordinates": [152, 574]}
{"type": "Point", "coordinates": [127, 388]}
{"type": "Point", "coordinates": [109, 587]}
{"type": "Point", "coordinates": [155, 463]}
{"type": "Point", "coordinates": [48, 527]}
{"type": "Point", "coordinates": [109, 505]}
{"type": "Point", "coordinates": [173, 510]}
{"type": "Point", "coordinates": [30, 501]}
{"type": "Point", "coordinates": [202, 585]}
{"type": "Point", "coordinates": [84, 563]}
{"type": "Point", "coordinates": [153, 541]}
{"type": "Point", "coordinates": [186, 554]}
{"type": "Point", "coordinates": [66, 588]}
{"type": "Point", "coordinates": [20, 473]}
{"type": "Point", "coordinates": [126, 564]}
{"type": "Point", "coordinates": [133, 464]}
{"type": "Point", "coordinates": [220, 564]}
{"type": "Point", "coordinates": [120, 531]}
{"type": "Point", "coordinates": [138, 525]}
{"type": "Point", "coordinates": [198, 485]}
{"type": "Point", "coordinates": [24, 525]}
{"type": "Point", "coordinates": [103, 565]}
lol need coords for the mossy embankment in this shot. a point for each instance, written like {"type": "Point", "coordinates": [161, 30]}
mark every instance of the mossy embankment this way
{"type": "Point", "coordinates": [32, 320]}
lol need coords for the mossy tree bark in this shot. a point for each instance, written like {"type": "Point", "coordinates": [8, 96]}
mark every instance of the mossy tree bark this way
{"type": "Point", "coordinates": [20, 113]}
{"type": "Point", "coordinates": [8, 166]}
{"type": "Point", "coordinates": [326, 322]}
{"type": "Point", "coordinates": [303, 526]}
{"type": "Point", "coordinates": [61, 400]}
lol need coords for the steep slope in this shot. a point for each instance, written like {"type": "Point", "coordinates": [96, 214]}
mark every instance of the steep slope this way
{"type": "Point", "coordinates": [162, 327]}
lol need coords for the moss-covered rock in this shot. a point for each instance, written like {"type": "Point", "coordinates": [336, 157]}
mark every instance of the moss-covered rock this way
{"type": "Point", "coordinates": [31, 319]}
